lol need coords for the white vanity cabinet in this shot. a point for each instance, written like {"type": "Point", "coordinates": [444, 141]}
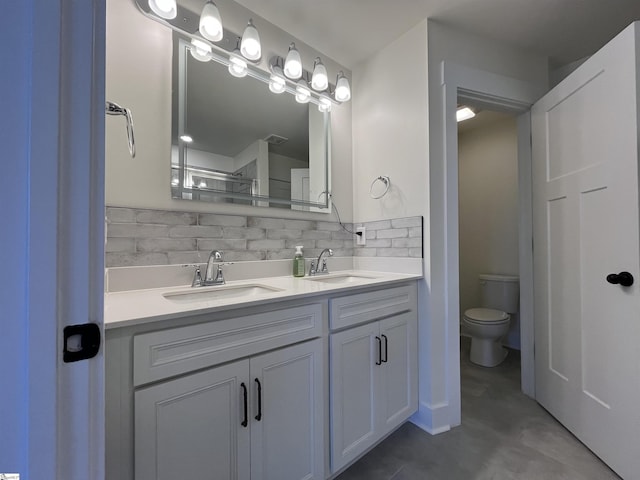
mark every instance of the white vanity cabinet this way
{"type": "Point", "coordinates": [373, 372]}
{"type": "Point", "coordinates": [323, 377]}
{"type": "Point", "coordinates": [177, 393]}
{"type": "Point", "coordinates": [259, 419]}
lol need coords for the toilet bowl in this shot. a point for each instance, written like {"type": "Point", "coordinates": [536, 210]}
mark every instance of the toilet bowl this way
{"type": "Point", "coordinates": [489, 323]}
{"type": "Point", "coordinates": [486, 327]}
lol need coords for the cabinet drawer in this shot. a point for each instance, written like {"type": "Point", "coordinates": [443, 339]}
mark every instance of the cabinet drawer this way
{"type": "Point", "coordinates": [365, 307]}
{"type": "Point", "coordinates": [176, 351]}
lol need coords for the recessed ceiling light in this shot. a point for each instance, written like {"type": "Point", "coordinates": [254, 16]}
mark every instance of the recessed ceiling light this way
{"type": "Point", "coordinates": [464, 113]}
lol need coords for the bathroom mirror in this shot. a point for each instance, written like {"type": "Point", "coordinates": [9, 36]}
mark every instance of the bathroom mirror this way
{"type": "Point", "coordinates": [234, 141]}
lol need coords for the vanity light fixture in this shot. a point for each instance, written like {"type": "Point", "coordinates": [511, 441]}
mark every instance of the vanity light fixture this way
{"type": "Point", "coordinates": [277, 83]}
{"type": "Point", "coordinates": [343, 90]}
{"type": "Point", "coordinates": [286, 74]}
{"type": "Point", "coordinates": [319, 79]}
{"type": "Point", "coordinates": [303, 94]}
{"type": "Point", "coordinates": [210, 22]}
{"type": "Point", "coordinates": [464, 113]}
{"type": "Point", "coordinates": [293, 63]}
{"type": "Point", "coordinates": [325, 103]}
{"type": "Point", "coordinates": [237, 64]}
{"type": "Point", "coordinates": [167, 9]}
{"type": "Point", "coordinates": [200, 50]}
{"type": "Point", "coordinates": [250, 46]}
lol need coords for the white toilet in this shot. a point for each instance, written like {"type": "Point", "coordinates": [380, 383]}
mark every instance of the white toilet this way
{"type": "Point", "coordinates": [500, 297]}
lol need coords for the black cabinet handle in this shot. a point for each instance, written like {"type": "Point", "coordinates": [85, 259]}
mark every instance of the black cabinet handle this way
{"type": "Point", "coordinates": [623, 278]}
{"type": "Point", "coordinates": [245, 422]}
{"type": "Point", "coordinates": [386, 349]}
{"type": "Point", "coordinates": [258, 417]}
{"type": "Point", "coordinates": [379, 361]}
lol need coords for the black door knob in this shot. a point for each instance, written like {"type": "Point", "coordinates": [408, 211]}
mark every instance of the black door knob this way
{"type": "Point", "coordinates": [623, 278]}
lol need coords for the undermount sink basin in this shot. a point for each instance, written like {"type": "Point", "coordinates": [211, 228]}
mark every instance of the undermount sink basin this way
{"type": "Point", "coordinates": [203, 294]}
{"type": "Point", "coordinates": [341, 278]}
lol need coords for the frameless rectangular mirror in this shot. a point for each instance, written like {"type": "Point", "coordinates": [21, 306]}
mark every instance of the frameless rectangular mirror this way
{"type": "Point", "coordinates": [234, 141]}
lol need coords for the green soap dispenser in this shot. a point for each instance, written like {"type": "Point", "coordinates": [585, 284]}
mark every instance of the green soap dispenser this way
{"type": "Point", "coordinates": [298, 262]}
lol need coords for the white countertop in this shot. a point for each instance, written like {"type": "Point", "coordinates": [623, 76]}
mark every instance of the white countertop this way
{"type": "Point", "coordinates": [132, 307]}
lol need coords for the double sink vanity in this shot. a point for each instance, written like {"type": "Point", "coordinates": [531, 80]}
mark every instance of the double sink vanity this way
{"type": "Point", "coordinates": [269, 377]}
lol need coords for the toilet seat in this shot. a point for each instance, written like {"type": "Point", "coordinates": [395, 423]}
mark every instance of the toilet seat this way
{"type": "Point", "coordinates": [486, 316]}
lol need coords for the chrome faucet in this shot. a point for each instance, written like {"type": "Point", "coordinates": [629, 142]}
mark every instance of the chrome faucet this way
{"type": "Point", "coordinates": [209, 279]}
{"type": "Point", "coordinates": [318, 268]}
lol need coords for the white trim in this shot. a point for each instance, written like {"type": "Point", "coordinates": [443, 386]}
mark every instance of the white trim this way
{"type": "Point", "coordinates": [80, 215]}
{"type": "Point", "coordinates": [525, 254]}
{"type": "Point", "coordinates": [433, 419]}
{"type": "Point", "coordinates": [505, 94]}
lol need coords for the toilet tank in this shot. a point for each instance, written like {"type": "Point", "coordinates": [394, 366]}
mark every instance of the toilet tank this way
{"type": "Point", "coordinates": [501, 292]}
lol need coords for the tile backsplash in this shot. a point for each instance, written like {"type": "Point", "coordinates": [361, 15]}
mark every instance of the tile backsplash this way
{"type": "Point", "coordinates": [157, 237]}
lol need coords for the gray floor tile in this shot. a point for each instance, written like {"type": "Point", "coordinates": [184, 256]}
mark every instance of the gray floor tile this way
{"type": "Point", "coordinates": [504, 435]}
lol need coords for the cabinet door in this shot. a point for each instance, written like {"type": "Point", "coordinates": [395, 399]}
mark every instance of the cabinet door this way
{"type": "Point", "coordinates": [287, 414]}
{"type": "Point", "coordinates": [398, 394]}
{"type": "Point", "coordinates": [191, 427]}
{"type": "Point", "coordinates": [354, 379]}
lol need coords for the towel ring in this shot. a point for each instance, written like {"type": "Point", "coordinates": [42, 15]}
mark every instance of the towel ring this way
{"type": "Point", "coordinates": [387, 183]}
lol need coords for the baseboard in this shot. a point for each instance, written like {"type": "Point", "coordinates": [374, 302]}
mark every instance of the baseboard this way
{"type": "Point", "coordinates": [433, 419]}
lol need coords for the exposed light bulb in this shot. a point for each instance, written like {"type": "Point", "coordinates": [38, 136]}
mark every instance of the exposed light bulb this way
{"type": "Point", "coordinates": [464, 113]}
{"type": "Point", "coordinates": [277, 83]}
{"type": "Point", "coordinates": [325, 104]}
{"type": "Point", "coordinates": [343, 90]}
{"type": "Point", "coordinates": [237, 65]}
{"type": "Point", "coordinates": [250, 46]}
{"type": "Point", "coordinates": [293, 63]}
{"type": "Point", "coordinates": [303, 94]}
{"type": "Point", "coordinates": [200, 50]}
{"type": "Point", "coordinates": [211, 23]}
{"type": "Point", "coordinates": [319, 79]}
{"type": "Point", "coordinates": [164, 8]}
{"type": "Point", "coordinates": [202, 184]}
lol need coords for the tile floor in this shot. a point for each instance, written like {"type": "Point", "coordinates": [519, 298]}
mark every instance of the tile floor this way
{"type": "Point", "coordinates": [504, 435]}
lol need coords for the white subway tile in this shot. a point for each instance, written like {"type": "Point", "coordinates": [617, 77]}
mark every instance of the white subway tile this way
{"type": "Point", "coordinates": [222, 220]}
{"type": "Point", "coordinates": [392, 233]}
{"type": "Point", "coordinates": [166, 217]}
{"type": "Point", "coordinates": [195, 231]}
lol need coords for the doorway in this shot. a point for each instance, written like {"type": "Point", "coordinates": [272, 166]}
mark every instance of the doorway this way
{"type": "Point", "coordinates": [488, 248]}
{"type": "Point", "coordinates": [462, 84]}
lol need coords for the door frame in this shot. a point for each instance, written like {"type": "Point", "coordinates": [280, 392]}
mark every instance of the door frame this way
{"type": "Point", "coordinates": [506, 94]}
{"type": "Point", "coordinates": [54, 232]}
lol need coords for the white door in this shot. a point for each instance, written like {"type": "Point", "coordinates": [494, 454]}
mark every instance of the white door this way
{"type": "Point", "coordinates": [287, 432]}
{"type": "Point", "coordinates": [585, 200]}
{"type": "Point", "coordinates": [355, 361]}
{"type": "Point", "coordinates": [52, 242]}
{"type": "Point", "coordinates": [194, 426]}
{"type": "Point", "coordinates": [398, 393]}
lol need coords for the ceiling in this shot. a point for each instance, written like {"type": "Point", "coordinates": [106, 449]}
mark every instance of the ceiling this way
{"type": "Point", "coordinates": [350, 31]}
